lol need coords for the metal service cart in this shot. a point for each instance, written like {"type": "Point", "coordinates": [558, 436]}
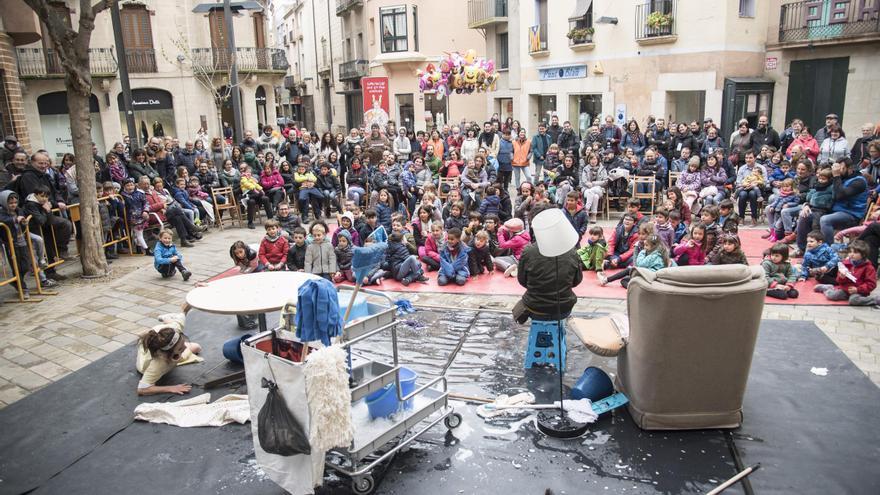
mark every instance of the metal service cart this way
{"type": "Point", "coordinates": [372, 446]}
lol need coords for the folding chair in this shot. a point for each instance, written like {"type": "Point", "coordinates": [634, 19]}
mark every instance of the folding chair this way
{"type": "Point", "coordinates": [231, 204]}
{"type": "Point", "coordinates": [452, 182]}
{"type": "Point", "coordinates": [649, 184]}
{"type": "Point", "coordinates": [673, 178]}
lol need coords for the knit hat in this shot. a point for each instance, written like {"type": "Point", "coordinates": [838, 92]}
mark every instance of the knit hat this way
{"type": "Point", "coordinates": [344, 233]}
{"type": "Point", "coordinates": [514, 225]}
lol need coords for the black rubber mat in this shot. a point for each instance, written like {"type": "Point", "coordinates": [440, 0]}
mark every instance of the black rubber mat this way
{"type": "Point", "coordinates": [812, 434]}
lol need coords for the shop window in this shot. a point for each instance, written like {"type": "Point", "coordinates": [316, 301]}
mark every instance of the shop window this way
{"type": "Point", "coordinates": [582, 110]}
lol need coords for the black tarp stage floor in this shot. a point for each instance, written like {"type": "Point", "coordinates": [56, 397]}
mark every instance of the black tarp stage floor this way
{"type": "Point", "coordinates": [812, 434]}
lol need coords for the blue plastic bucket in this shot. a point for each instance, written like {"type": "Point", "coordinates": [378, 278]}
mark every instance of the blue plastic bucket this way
{"type": "Point", "coordinates": [232, 348]}
{"type": "Point", "coordinates": [594, 384]}
{"type": "Point", "coordinates": [383, 403]}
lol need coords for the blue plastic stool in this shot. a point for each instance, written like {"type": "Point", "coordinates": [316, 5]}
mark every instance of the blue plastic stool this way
{"type": "Point", "coordinates": [543, 344]}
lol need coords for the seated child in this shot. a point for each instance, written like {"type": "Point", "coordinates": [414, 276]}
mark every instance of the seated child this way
{"type": "Point", "coordinates": [166, 259]}
{"type": "Point", "coordinates": [475, 224]}
{"type": "Point", "coordinates": [13, 217]}
{"type": "Point", "coordinates": [403, 266]}
{"type": "Point", "coordinates": [320, 257]}
{"type": "Point", "coordinates": [370, 223]}
{"type": "Point", "coordinates": [692, 251]}
{"type": "Point", "coordinates": [346, 223]}
{"type": "Point", "coordinates": [397, 225]}
{"type": "Point", "coordinates": [344, 253]}
{"type": "Point", "coordinates": [245, 258]}
{"type": "Point", "coordinates": [491, 203]}
{"type": "Point", "coordinates": [820, 260]}
{"type": "Point", "coordinates": [453, 260]}
{"type": "Point", "coordinates": [511, 236]}
{"type": "Point", "coordinates": [679, 227]}
{"type": "Point", "coordinates": [727, 218]}
{"type": "Point", "coordinates": [653, 256]}
{"type": "Point", "coordinates": [730, 252]}
{"type": "Point", "coordinates": [781, 275]}
{"type": "Point", "coordinates": [273, 247]}
{"type": "Point", "coordinates": [663, 228]}
{"type": "Point", "coordinates": [329, 186]}
{"type": "Point", "coordinates": [490, 225]}
{"type": "Point", "coordinates": [626, 242]}
{"type": "Point", "coordinates": [456, 218]}
{"type": "Point", "coordinates": [430, 253]}
{"type": "Point", "coordinates": [201, 199]}
{"type": "Point", "coordinates": [287, 220]}
{"type": "Point", "coordinates": [820, 198]}
{"type": "Point", "coordinates": [690, 181]}
{"type": "Point", "coordinates": [785, 198]}
{"type": "Point", "coordinates": [592, 255]}
{"type": "Point", "coordinates": [856, 278]}
{"type": "Point", "coordinates": [296, 254]}
{"type": "Point", "coordinates": [709, 216]}
{"type": "Point", "coordinates": [480, 255]}
{"type": "Point", "coordinates": [160, 350]}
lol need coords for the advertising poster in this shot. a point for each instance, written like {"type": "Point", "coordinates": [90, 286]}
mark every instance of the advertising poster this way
{"type": "Point", "coordinates": [375, 97]}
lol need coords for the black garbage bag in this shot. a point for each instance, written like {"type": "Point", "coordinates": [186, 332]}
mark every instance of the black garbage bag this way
{"type": "Point", "coordinates": [279, 432]}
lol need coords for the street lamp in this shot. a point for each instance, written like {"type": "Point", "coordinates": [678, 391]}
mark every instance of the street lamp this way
{"type": "Point", "coordinates": [229, 8]}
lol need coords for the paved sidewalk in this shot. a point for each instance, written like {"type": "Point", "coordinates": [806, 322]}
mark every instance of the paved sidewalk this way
{"type": "Point", "coordinates": [43, 342]}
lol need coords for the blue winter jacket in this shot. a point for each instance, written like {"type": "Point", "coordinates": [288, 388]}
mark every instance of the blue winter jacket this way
{"type": "Point", "coordinates": [823, 255]}
{"type": "Point", "coordinates": [505, 155]}
{"type": "Point", "coordinates": [182, 197]}
{"type": "Point", "coordinates": [451, 268]}
{"type": "Point", "coordinates": [162, 254]}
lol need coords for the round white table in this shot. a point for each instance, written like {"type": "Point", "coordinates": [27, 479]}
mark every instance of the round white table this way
{"type": "Point", "coordinates": [254, 293]}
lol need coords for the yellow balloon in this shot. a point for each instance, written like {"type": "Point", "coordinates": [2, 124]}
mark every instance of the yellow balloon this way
{"type": "Point", "coordinates": [470, 56]}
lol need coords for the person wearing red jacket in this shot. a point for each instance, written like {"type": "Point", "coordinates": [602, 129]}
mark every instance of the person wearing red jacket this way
{"type": "Point", "coordinates": [273, 247]}
{"type": "Point", "coordinates": [856, 278]}
{"type": "Point", "coordinates": [159, 211]}
{"type": "Point", "coordinates": [513, 236]}
{"type": "Point", "coordinates": [623, 242]}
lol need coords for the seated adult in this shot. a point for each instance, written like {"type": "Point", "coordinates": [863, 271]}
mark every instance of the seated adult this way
{"type": "Point", "coordinates": [850, 203]}
{"type": "Point", "coordinates": [548, 282]}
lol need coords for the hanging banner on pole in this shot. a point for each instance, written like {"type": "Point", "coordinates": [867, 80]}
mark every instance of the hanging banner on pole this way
{"type": "Point", "coordinates": [375, 97]}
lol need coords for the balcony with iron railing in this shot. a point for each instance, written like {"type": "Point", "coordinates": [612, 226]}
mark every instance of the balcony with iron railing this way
{"type": "Point", "coordinates": [810, 22]}
{"type": "Point", "coordinates": [538, 41]}
{"type": "Point", "coordinates": [483, 13]}
{"type": "Point", "coordinates": [655, 22]}
{"type": "Point", "coordinates": [248, 59]}
{"type": "Point", "coordinates": [141, 60]}
{"type": "Point", "coordinates": [353, 69]}
{"type": "Point", "coordinates": [38, 63]}
{"type": "Point", "coordinates": [343, 6]}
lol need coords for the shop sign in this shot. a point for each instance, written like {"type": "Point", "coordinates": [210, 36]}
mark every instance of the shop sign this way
{"type": "Point", "coordinates": [567, 72]}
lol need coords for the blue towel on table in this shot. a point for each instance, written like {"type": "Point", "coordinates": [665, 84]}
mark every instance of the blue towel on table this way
{"type": "Point", "coordinates": [317, 312]}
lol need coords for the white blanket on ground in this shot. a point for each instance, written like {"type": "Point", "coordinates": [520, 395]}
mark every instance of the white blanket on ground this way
{"type": "Point", "coordinates": [196, 411]}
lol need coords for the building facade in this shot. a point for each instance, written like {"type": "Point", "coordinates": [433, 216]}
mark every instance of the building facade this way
{"type": "Point", "coordinates": [376, 38]}
{"type": "Point", "coordinates": [178, 64]}
{"type": "Point", "coordinates": [666, 58]}
{"type": "Point", "coordinates": [823, 57]}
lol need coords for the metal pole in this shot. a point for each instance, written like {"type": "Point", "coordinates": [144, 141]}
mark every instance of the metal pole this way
{"type": "Point", "coordinates": [233, 76]}
{"type": "Point", "coordinates": [122, 61]}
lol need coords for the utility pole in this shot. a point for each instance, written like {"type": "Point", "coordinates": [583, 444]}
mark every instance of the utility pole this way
{"type": "Point", "coordinates": [233, 76]}
{"type": "Point", "coordinates": [122, 62]}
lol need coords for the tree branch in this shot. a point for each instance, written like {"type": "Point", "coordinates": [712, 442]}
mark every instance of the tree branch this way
{"type": "Point", "coordinates": [100, 6]}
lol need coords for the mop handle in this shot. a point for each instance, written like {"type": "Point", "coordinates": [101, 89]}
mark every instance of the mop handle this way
{"type": "Point", "coordinates": [493, 407]}
{"type": "Point", "coordinates": [727, 484]}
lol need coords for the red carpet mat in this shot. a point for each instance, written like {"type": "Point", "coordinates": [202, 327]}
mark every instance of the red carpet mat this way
{"type": "Point", "coordinates": [498, 284]}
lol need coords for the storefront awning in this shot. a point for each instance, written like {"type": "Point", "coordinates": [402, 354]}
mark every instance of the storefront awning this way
{"type": "Point", "coordinates": [580, 9]}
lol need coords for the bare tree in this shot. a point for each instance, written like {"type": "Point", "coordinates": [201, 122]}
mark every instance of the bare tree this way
{"type": "Point", "coordinates": [212, 68]}
{"type": "Point", "coordinates": [72, 47]}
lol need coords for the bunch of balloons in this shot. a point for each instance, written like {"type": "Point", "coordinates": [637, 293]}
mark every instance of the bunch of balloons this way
{"type": "Point", "coordinates": [460, 74]}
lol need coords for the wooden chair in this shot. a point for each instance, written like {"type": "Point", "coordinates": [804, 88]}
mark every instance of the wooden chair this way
{"type": "Point", "coordinates": [649, 183]}
{"type": "Point", "coordinates": [609, 198]}
{"type": "Point", "coordinates": [452, 182]}
{"type": "Point", "coordinates": [673, 178]}
{"type": "Point", "coordinates": [231, 204]}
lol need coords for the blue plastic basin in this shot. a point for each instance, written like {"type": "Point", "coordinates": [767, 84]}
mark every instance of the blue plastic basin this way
{"type": "Point", "coordinates": [383, 403]}
{"type": "Point", "coordinates": [232, 348]}
{"type": "Point", "coordinates": [594, 384]}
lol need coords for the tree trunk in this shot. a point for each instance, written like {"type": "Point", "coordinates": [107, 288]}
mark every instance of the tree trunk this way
{"type": "Point", "coordinates": [91, 254]}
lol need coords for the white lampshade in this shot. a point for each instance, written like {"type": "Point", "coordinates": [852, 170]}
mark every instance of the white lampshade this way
{"type": "Point", "coordinates": [553, 232]}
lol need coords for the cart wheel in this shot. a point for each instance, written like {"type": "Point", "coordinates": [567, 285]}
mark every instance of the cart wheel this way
{"type": "Point", "coordinates": [363, 485]}
{"type": "Point", "coordinates": [452, 421]}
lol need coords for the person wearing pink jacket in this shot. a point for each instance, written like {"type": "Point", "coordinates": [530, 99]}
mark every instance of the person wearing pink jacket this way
{"type": "Point", "coordinates": [273, 183]}
{"type": "Point", "coordinates": [807, 143]}
{"type": "Point", "coordinates": [512, 236]}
